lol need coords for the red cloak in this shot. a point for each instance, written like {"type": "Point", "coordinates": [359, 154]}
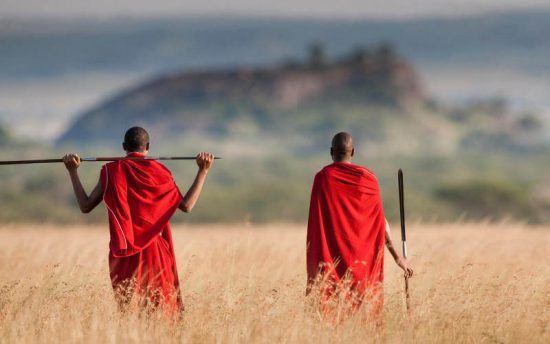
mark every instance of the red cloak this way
{"type": "Point", "coordinates": [346, 231]}
{"type": "Point", "coordinates": [141, 197]}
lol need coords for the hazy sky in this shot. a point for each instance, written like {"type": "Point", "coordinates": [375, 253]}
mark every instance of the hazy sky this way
{"type": "Point", "coordinates": [309, 8]}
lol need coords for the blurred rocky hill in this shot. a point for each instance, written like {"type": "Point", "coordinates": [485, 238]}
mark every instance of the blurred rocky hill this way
{"type": "Point", "coordinates": [295, 106]}
{"type": "Point", "coordinates": [273, 123]}
{"type": "Point", "coordinates": [208, 101]}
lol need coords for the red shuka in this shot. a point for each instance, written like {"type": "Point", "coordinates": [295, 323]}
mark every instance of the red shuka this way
{"type": "Point", "coordinates": [141, 197]}
{"type": "Point", "coordinates": [346, 229]}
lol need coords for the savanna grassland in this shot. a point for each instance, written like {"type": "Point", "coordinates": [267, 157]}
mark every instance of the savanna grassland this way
{"type": "Point", "coordinates": [474, 283]}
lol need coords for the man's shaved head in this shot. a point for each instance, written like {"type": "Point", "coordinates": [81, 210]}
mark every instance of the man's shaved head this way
{"type": "Point", "coordinates": [136, 139]}
{"type": "Point", "coordinates": [342, 147]}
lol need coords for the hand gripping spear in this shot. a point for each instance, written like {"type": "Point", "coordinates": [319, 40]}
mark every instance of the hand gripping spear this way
{"type": "Point", "coordinates": [403, 232]}
{"type": "Point", "coordinates": [49, 161]}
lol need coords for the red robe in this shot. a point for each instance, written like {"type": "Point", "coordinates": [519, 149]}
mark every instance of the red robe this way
{"type": "Point", "coordinates": [141, 197]}
{"type": "Point", "coordinates": [346, 232]}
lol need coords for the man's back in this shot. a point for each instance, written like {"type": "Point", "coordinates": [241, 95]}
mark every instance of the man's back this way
{"type": "Point", "coordinates": [346, 226]}
{"type": "Point", "coordinates": [140, 196]}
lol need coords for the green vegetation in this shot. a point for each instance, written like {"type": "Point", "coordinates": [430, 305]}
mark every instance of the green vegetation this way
{"type": "Point", "coordinates": [276, 188]}
{"type": "Point", "coordinates": [484, 198]}
{"type": "Point", "coordinates": [270, 158]}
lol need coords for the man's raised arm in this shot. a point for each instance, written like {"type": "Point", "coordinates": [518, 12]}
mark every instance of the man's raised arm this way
{"type": "Point", "coordinates": [401, 262]}
{"type": "Point", "coordinates": [85, 203]}
{"type": "Point", "coordinates": [204, 161]}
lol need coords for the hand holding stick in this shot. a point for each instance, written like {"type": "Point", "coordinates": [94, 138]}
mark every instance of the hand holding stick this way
{"type": "Point", "coordinates": [403, 233]}
{"type": "Point", "coordinates": [50, 161]}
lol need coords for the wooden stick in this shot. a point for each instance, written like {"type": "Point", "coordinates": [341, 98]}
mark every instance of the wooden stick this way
{"type": "Point", "coordinates": [403, 232]}
{"type": "Point", "coordinates": [49, 161]}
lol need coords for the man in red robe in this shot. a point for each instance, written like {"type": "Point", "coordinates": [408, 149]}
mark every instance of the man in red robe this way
{"type": "Point", "coordinates": [347, 230]}
{"type": "Point", "coordinates": [140, 197]}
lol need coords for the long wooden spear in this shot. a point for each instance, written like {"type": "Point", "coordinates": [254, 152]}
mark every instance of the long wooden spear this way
{"type": "Point", "coordinates": [403, 232]}
{"type": "Point", "coordinates": [49, 161]}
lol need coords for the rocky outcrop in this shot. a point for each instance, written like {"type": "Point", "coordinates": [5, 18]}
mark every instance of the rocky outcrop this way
{"type": "Point", "coordinates": [199, 100]}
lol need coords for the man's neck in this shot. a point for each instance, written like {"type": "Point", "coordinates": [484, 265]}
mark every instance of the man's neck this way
{"type": "Point", "coordinates": [136, 152]}
{"type": "Point", "coordinates": [343, 161]}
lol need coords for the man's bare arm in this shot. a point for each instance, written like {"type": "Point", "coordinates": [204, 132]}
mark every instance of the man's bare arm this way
{"type": "Point", "coordinates": [85, 203]}
{"type": "Point", "coordinates": [401, 262]}
{"type": "Point", "coordinates": [389, 242]}
{"type": "Point", "coordinates": [204, 162]}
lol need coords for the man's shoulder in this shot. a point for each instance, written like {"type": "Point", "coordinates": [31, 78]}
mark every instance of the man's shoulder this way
{"type": "Point", "coordinates": [161, 166]}
{"type": "Point", "coordinates": [152, 166]}
{"type": "Point", "coordinates": [354, 169]}
{"type": "Point", "coordinates": [324, 171]}
{"type": "Point", "coordinates": [351, 166]}
{"type": "Point", "coordinates": [367, 172]}
{"type": "Point", "coordinates": [107, 166]}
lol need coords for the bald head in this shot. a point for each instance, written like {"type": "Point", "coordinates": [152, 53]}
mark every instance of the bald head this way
{"type": "Point", "coordinates": [342, 149]}
{"type": "Point", "coordinates": [136, 139]}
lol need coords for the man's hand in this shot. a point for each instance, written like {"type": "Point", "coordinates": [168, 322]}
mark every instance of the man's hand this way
{"type": "Point", "coordinates": [204, 161]}
{"type": "Point", "coordinates": [404, 264]}
{"type": "Point", "coordinates": [71, 161]}
{"type": "Point", "coordinates": [85, 203]}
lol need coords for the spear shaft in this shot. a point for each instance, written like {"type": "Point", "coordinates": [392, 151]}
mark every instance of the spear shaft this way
{"type": "Point", "coordinates": [403, 232]}
{"type": "Point", "coordinates": [90, 159]}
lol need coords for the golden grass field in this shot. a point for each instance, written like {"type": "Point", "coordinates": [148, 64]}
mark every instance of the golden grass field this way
{"type": "Point", "coordinates": [474, 283]}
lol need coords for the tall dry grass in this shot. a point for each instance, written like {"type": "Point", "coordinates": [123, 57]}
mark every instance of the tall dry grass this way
{"type": "Point", "coordinates": [474, 283]}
